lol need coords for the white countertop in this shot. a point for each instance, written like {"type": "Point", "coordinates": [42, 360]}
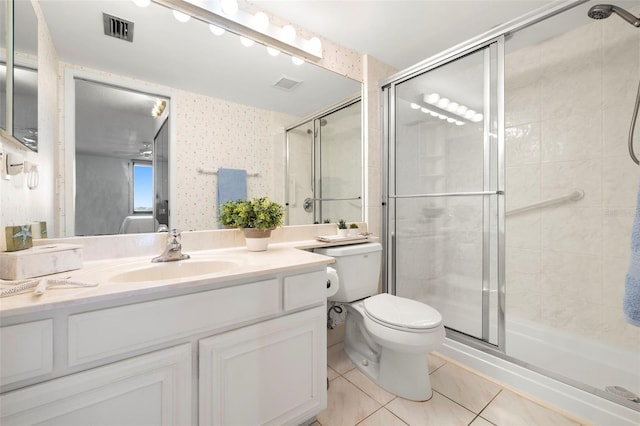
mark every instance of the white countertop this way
{"type": "Point", "coordinates": [277, 259]}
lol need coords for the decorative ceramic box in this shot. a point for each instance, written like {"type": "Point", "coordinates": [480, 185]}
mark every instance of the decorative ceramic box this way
{"type": "Point", "coordinates": [40, 260]}
{"type": "Point", "coordinates": [18, 237]}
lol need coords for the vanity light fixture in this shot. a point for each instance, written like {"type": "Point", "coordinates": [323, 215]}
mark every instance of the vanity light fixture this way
{"type": "Point", "coordinates": [229, 7]}
{"type": "Point", "coordinates": [226, 15]}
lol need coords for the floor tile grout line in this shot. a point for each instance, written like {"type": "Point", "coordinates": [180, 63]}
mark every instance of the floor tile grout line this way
{"type": "Point", "coordinates": [381, 408]}
{"type": "Point", "coordinates": [489, 403]}
{"type": "Point", "coordinates": [455, 402]}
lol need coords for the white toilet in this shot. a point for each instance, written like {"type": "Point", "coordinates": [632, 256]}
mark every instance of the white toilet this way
{"type": "Point", "coordinates": [387, 337]}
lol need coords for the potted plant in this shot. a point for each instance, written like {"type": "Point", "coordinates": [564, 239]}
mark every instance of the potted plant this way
{"type": "Point", "coordinates": [257, 218]}
{"type": "Point", "coordinates": [342, 228]}
{"type": "Point", "coordinates": [353, 230]}
{"type": "Point", "coordinates": [227, 215]}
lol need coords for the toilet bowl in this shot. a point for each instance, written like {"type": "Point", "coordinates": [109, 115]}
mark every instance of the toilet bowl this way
{"type": "Point", "coordinates": [387, 337]}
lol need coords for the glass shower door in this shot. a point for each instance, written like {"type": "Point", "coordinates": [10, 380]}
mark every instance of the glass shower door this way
{"type": "Point", "coordinates": [444, 193]}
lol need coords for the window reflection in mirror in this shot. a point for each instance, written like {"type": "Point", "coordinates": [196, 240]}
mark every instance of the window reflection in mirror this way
{"type": "Point", "coordinates": [25, 76]}
{"type": "Point", "coordinates": [116, 137]}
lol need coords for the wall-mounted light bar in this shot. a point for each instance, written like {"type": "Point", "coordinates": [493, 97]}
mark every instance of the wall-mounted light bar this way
{"type": "Point", "coordinates": [217, 14]}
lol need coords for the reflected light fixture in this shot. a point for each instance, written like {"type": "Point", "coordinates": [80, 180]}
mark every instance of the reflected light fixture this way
{"type": "Point", "coordinates": [297, 60]}
{"type": "Point", "coordinates": [216, 30]}
{"type": "Point", "coordinates": [272, 51]}
{"type": "Point", "coordinates": [454, 107]}
{"type": "Point", "coordinates": [181, 17]}
{"type": "Point", "coordinates": [315, 45]}
{"type": "Point", "coordinates": [246, 42]}
{"type": "Point", "coordinates": [158, 108]}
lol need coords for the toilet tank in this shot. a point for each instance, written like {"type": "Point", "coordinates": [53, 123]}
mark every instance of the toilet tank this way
{"type": "Point", "coordinates": [358, 268]}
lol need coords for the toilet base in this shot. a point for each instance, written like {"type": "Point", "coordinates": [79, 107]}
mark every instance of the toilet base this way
{"type": "Point", "coordinates": [404, 375]}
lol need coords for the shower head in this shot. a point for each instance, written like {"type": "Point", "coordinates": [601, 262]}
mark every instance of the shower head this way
{"type": "Point", "coordinates": [603, 11]}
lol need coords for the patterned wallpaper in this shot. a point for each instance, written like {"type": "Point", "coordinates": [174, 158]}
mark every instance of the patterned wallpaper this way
{"type": "Point", "coordinates": [212, 133]}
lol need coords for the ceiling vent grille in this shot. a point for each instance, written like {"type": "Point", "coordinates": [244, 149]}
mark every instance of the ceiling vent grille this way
{"type": "Point", "coordinates": [287, 83]}
{"type": "Point", "coordinates": [117, 27]}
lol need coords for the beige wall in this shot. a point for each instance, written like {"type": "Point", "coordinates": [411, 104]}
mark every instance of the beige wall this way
{"type": "Point", "coordinates": [568, 108]}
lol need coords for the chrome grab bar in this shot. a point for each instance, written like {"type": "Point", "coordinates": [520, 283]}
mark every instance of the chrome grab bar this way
{"type": "Point", "coordinates": [448, 194]}
{"type": "Point", "coordinates": [576, 195]}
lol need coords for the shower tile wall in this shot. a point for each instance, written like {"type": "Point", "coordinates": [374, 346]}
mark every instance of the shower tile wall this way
{"type": "Point", "coordinates": [568, 108]}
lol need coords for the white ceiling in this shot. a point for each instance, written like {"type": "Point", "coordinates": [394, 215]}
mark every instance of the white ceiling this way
{"type": "Point", "coordinates": [400, 33]}
{"type": "Point", "coordinates": [187, 56]}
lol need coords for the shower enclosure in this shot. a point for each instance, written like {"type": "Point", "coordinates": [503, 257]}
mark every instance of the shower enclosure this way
{"type": "Point", "coordinates": [510, 194]}
{"type": "Point", "coordinates": [324, 167]}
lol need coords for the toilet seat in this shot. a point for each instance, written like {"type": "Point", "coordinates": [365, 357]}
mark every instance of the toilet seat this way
{"type": "Point", "coordinates": [401, 314]}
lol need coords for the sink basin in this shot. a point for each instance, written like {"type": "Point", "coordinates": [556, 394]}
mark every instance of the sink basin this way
{"type": "Point", "coordinates": [173, 270]}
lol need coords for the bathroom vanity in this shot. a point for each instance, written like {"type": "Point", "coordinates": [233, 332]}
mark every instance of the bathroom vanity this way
{"type": "Point", "coordinates": [245, 345]}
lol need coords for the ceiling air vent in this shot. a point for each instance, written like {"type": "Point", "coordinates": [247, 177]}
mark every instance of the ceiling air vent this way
{"type": "Point", "coordinates": [117, 27]}
{"type": "Point", "coordinates": [287, 83]}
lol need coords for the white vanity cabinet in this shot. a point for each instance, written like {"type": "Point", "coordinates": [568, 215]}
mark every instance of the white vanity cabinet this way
{"type": "Point", "coordinates": [152, 389]}
{"type": "Point", "coordinates": [272, 373]}
{"type": "Point", "coordinates": [248, 352]}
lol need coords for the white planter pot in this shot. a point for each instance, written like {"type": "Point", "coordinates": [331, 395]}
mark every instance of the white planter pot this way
{"type": "Point", "coordinates": [343, 232]}
{"type": "Point", "coordinates": [257, 240]}
{"type": "Point", "coordinates": [354, 232]}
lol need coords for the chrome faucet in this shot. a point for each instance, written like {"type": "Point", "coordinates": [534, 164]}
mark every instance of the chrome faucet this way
{"type": "Point", "coordinates": [173, 250]}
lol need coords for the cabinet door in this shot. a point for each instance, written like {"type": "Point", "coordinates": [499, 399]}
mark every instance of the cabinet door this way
{"type": "Point", "coordinates": [272, 373]}
{"type": "Point", "coordinates": [152, 389]}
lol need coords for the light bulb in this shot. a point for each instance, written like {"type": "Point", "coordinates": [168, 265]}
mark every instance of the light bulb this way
{"type": "Point", "coordinates": [452, 106]}
{"type": "Point", "coordinates": [297, 61]}
{"type": "Point", "coordinates": [442, 116]}
{"type": "Point", "coordinates": [288, 33]}
{"type": "Point", "coordinates": [272, 51]}
{"type": "Point", "coordinates": [443, 102]}
{"type": "Point", "coordinates": [477, 117]}
{"type": "Point", "coordinates": [142, 3]}
{"type": "Point", "coordinates": [315, 45]}
{"type": "Point", "coordinates": [216, 30]}
{"type": "Point", "coordinates": [461, 110]}
{"type": "Point", "coordinates": [229, 7]}
{"type": "Point", "coordinates": [459, 123]}
{"type": "Point", "coordinates": [432, 98]}
{"type": "Point", "coordinates": [451, 120]}
{"type": "Point", "coordinates": [425, 110]}
{"type": "Point", "coordinates": [469, 114]}
{"type": "Point", "coordinates": [414, 105]}
{"type": "Point", "coordinates": [181, 17]}
{"type": "Point", "coordinates": [433, 113]}
{"type": "Point", "coordinates": [260, 21]}
{"type": "Point", "coordinates": [246, 42]}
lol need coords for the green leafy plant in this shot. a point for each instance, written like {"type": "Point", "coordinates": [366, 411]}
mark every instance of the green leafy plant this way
{"type": "Point", "coordinates": [258, 213]}
{"type": "Point", "coordinates": [353, 226]}
{"type": "Point", "coordinates": [326, 221]}
{"type": "Point", "coordinates": [342, 224]}
{"type": "Point", "coordinates": [228, 215]}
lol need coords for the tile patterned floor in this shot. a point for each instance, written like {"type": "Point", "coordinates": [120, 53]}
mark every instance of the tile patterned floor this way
{"type": "Point", "coordinates": [460, 397]}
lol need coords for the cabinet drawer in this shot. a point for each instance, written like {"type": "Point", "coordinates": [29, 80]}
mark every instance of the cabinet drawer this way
{"type": "Point", "coordinates": [108, 332]}
{"type": "Point", "coordinates": [26, 351]}
{"type": "Point", "coordinates": [305, 290]}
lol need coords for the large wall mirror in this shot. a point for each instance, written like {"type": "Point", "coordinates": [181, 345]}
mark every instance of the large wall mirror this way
{"type": "Point", "coordinates": [229, 104]}
{"type": "Point", "coordinates": [20, 118]}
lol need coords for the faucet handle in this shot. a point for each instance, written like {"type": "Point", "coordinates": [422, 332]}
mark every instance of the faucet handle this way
{"type": "Point", "coordinates": [174, 235]}
{"type": "Point", "coordinates": [163, 228]}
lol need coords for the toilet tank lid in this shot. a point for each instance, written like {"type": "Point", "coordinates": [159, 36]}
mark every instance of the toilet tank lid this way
{"type": "Point", "coordinates": [350, 250]}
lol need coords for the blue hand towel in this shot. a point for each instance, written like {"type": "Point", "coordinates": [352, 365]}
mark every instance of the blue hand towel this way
{"type": "Point", "coordinates": [631, 303]}
{"type": "Point", "coordinates": [232, 185]}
